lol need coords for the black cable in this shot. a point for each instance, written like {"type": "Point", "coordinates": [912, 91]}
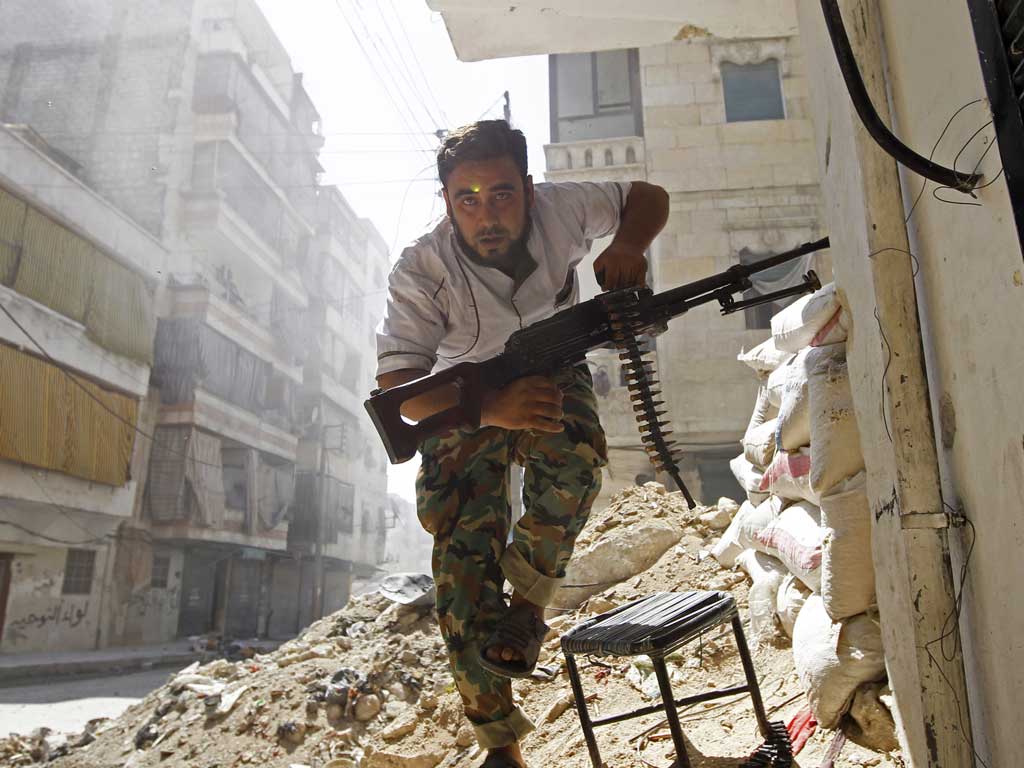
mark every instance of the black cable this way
{"type": "Point", "coordinates": [861, 99]}
{"type": "Point", "coordinates": [54, 540]}
{"type": "Point", "coordinates": [935, 148]}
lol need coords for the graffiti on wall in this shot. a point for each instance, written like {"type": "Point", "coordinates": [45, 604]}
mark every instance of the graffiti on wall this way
{"type": "Point", "coordinates": [153, 600]}
{"type": "Point", "coordinates": [65, 613]}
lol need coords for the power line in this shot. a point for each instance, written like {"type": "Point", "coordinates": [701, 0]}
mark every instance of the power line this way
{"type": "Point", "coordinates": [404, 67]}
{"type": "Point", "coordinates": [419, 65]}
{"type": "Point", "coordinates": [369, 61]}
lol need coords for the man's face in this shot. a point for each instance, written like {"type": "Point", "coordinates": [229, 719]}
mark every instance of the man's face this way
{"type": "Point", "coordinates": [489, 205]}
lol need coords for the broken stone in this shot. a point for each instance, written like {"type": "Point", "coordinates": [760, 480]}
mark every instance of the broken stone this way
{"type": "Point", "coordinates": [334, 712]}
{"type": "Point", "coordinates": [403, 726]}
{"type": "Point", "coordinates": [367, 707]}
{"type": "Point", "coordinates": [146, 735]}
{"type": "Point", "coordinates": [291, 732]}
{"type": "Point", "coordinates": [559, 708]}
{"type": "Point", "coordinates": [465, 736]}
{"type": "Point", "coordinates": [717, 519]}
{"type": "Point", "coordinates": [395, 760]}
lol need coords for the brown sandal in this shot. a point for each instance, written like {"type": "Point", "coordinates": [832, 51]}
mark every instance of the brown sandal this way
{"type": "Point", "coordinates": [521, 630]}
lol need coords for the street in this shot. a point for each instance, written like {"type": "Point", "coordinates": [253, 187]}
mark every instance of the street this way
{"type": "Point", "coordinates": [67, 704]}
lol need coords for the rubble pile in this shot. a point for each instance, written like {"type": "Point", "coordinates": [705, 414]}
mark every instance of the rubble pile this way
{"type": "Point", "coordinates": [369, 686]}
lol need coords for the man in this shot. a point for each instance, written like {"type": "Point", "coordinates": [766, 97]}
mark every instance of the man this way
{"type": "Point", "coordinates": [505, 258]}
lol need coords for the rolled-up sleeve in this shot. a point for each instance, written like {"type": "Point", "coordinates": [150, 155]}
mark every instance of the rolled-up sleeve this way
{"type": "Point", "coordinates": [596, 206]}
{"type": "Point", "coordinates": [414, 323]}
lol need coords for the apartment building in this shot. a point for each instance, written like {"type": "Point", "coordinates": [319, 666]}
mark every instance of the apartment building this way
{"type": "Point", "coordinates": [74, 374]}
{"type": "Point", "coordinates": [190, 118]}
{"type": "Point", "coordinates": [722, 126]}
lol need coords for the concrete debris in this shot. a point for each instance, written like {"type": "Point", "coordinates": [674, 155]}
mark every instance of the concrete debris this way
{"type": "Point", "coordinates": [559, 708]}
{"type": "Point", "coordinates": [370, 686]}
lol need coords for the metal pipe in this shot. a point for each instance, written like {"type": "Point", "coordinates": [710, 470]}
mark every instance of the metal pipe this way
{"type": "Point", "coordinates": [948, 177]}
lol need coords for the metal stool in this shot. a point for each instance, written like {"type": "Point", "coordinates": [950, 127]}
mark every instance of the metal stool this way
{"type": "Point", "coordinates": [656, 626]}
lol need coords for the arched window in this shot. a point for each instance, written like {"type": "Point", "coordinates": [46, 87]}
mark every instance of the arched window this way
{"type": "Point", "coordinates": [609, 158]}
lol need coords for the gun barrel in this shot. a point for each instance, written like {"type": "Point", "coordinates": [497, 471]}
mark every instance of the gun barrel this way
{"type": "Point", "coordinates": [676, 301]}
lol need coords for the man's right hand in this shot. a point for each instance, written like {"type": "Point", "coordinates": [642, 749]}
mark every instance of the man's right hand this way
{"type": "Point", "coordinates": [533, 402]}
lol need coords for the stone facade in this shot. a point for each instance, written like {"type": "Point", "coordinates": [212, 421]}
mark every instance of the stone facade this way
{"type": "Point", "coordinates": [737, 189]}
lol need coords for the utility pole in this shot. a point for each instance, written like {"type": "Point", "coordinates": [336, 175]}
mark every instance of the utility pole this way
{"type": "Point", "coordinates": [321, 520]}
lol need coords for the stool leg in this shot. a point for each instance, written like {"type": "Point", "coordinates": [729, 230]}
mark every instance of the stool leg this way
{"type": "Point", "coordinates": [668, 699]}
{"type": "Point", "coordinates": [751, 673]}
{"type": "Point", "coordinates": [581, 708]}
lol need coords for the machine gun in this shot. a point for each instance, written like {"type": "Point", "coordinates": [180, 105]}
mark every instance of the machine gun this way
{"type": "Point", "coordinates": [616, 318]}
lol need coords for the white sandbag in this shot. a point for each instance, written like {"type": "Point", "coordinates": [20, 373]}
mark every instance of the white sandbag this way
{"type": "Point", "coordinates": [833, 659]}
{"type": "Point", "coordinates": [789, 476]}
{"type": "Point", "coordinates": [766, 573]}
{"type": "Point", "coordinates": [790, 599]}
{"type": "Point", "coordinates": [778, 379]}
{"type": "Point", "coordinates": [835, 331]}
{"type": "Point", "coordinates": [763, 410]}
{"type": "Point", "coordinates": [796, 326]}
{"type": "Point", "coordinates": [747, 475]}
{"type": "Point", "coordinates": [847, 568]}
{"type": "Point", "coordinates": [742, 531]}
{"type": "Point", "coordinates": [794, 415]}
{"type": "Point", "coordinates": [795, 538]}
{"type": "Point", "coordinates": [765, 357]}
{"type": "Point", "coordinates": [835, 440]}
{"type": "Point", "coordinates": [757, 498]}
{"type": "Point", "coordinates": [759, 444]}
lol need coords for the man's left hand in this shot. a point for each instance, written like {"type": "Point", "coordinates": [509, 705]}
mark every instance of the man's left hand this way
{"type": "Point", "coordinates": [620, 266]}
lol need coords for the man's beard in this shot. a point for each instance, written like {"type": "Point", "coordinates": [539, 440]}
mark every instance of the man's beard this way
{"type": "Point", "coordinates": [516, 249]}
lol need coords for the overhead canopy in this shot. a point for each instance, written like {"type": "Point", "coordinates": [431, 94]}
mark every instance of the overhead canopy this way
{"type": "Point", "coordinates": [490, 29]}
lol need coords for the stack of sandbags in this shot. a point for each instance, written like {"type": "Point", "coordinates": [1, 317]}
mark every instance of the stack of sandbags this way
{"type": "Point", "coordinates": [804, 537]}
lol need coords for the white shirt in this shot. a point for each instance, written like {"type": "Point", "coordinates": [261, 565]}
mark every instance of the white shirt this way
{"type": "Point", "coordinates": [444, 308]}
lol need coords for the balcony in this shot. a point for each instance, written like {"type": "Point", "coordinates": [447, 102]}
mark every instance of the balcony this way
{"type": "Point", "coordinates": [208, 379]}
{"type": "Point", "coordinates": [229, 97]}
{"type": "Point", "coordinates": [616, 159]}
{"type": "Point", "coordinates": [252, 330]}
{"type": "Point", "coordinates": [241, 221]}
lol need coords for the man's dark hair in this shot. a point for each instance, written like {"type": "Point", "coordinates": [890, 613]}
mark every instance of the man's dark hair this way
{"type": "Point", "coordinates": [482, 140]}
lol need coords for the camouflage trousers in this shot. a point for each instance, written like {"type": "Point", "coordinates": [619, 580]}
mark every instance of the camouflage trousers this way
{"type": "Point", "coordinates": [463, 501]}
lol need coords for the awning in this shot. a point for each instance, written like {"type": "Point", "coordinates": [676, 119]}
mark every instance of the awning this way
{"type": "Point", "coordinates": [490, 29]}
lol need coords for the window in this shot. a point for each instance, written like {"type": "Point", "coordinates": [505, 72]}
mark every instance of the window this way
{"type": "Point", "coordinates": [752, 91]}
{"type": "Point", "coordinates": [78, 572]}
{"type": "Point", "coordinates": [770, 280]}
{"type": "Point", "coordinates": [595, 95]}
{"type": "Point", "coordinates": [161, 570]}
{"type": "Point", "coordinates": [236, 485]}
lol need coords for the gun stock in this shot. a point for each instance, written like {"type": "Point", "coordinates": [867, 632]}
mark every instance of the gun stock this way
{"type": "Point", "coordinates": [402, 437]}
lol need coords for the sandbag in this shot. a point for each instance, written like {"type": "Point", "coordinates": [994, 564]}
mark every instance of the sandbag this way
{"type": "Point", "coordinates": [835, 331]}
{"type": "Point", "coordinates": [795, 538]}
{"type": "Point", "coordinates": [759, 444]}
{"type": "Point", "coordinates": [796, 326]}
{"type": "Point", "coordinates": [763, 410]}
{"type": "Point", "coordinates": [765, 357]}
{"type": "Point", "coordinates": [788, 476]}
{"type": "Point", "coordinates": [847, 567]}
{"type": "Point", "coordinates": [833, 659]}
{"type": "Point", "coordinates": [835, 439]}
{"type": "Point", "coordinates": [747, 475]}
{"type": "Point", "coordinates": [790, 599]}
{"type": "Point", "coordinates": [793, 428]}
{"type": "Point", "coordinates": [742, 531]}
{"type": "Point", "coordinates": [766, 573]}
{"type": "Point", "coordinates": [778, 379]}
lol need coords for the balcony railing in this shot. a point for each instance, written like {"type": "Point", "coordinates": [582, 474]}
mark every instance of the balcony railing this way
{"type": "Point", "coordinates": [598, 155]}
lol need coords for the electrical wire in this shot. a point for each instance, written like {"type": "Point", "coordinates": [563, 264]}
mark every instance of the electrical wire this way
{"type": "Point", "coordinates": [419, 65]}
{"type": "Point", "coordinates": [403, 66]}
{"type": "Point", "coordinates": [376, 71]}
